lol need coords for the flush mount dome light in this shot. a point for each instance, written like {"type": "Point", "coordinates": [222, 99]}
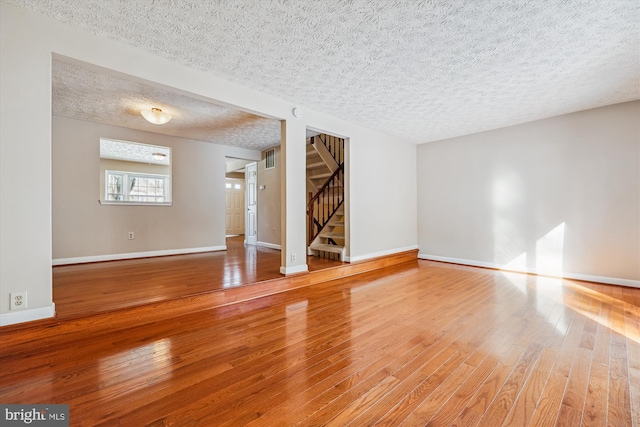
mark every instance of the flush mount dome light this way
{"type": "Point", "coordinates": [156, 116]}
{"type": "Point", "coordinates": [159, 156]}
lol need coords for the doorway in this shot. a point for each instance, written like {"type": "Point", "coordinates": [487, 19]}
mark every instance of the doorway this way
{"type": "Point", "coordinates": [234, 215]}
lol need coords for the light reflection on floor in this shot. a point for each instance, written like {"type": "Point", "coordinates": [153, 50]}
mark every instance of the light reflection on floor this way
{"type": "Point", "coordinates": [553, 289]}
{"type": "Point", "coordinates": [152, 357]}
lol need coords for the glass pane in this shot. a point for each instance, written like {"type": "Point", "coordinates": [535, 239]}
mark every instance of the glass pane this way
{"type": "Point", "coordinates": [134, 172]}
{"type": "Point", "coordinates": [151, 187]}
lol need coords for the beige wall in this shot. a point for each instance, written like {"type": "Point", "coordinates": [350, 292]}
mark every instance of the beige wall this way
{"type": "Point", "coordinates": [27, 44]}
{"type": "Point", "coordinates": [269, 201]}
{"type": "Point", "coordinates": [555, 194]}
{"type": "Point", "coordinates": [82, 227]}
{"type": "Point", "coordinates": [235, 175]}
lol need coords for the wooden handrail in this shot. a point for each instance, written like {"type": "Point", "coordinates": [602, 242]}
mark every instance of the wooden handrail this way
{"type": "Point", "coordinates": [327, 183]}
{"type": "Point", "coordinates": [328, 190]}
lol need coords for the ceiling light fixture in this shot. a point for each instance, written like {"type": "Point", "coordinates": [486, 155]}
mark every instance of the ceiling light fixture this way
{"type": "Point", "coordinates": [158, 156]}
{"type": "Point", "coordinates": [156, 116]}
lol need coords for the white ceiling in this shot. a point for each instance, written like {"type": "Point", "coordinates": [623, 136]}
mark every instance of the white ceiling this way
{"type": "Point", "coordinates": [96, 95]}
{"type": "Point", "coordinates": [420, 69]}
{"type": "Point", "coordinates": [134, 152]}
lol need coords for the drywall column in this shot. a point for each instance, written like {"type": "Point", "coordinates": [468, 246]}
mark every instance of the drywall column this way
{"type": "Point", "coordinates": [25, 169]}
{"type": "Point", "coordinates": [293, 187]}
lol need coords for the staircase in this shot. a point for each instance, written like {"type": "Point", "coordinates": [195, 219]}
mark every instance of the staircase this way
{"type": "Point", "coordinates": [325, 209]}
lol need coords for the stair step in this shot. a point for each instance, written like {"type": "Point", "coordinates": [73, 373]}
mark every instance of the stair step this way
{"type": "Point", "coordinates": [331, 201]}
{"type": "Point", "coordinates": [315, 165]}
{"type": "Point", "coordinates": [327, 248]}
{"type": "Point", "coordinates": [337, 187]}
{"type": "Point", "coordinates": [324, 204]}
{"type": "Point", "coordinates": [336, 223]}
{"type": "Point", "coordinates": [332, 234]}
{"type": "Point", "coordinates": [320, 175]}
{"type": "Point", "coordinates": [321, 181]}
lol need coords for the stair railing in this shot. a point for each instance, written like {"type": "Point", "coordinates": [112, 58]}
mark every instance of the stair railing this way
{"type": "Point", "coordinates": [325, 203]}
{"type": "Point", "coordinates": [334, 145]}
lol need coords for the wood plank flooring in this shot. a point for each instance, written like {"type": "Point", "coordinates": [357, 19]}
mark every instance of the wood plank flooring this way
{"type": "Point", "coordinates": [421, 343]}
{"type": "Point", "coordinates": [84, 289]}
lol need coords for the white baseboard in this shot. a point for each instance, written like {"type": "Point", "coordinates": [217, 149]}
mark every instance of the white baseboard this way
{"type": "Point", "coordinates": [602, 279]}
{"type": "Point", "coordinates": [292, 270]}
{"type": "Point", "coordinates": [379, 254]}
{"type": "Point", "coordinates": [564, 274]}
{"type": "Point", "coordinates": [27, 315]}
{"type": "Point", "coordinates": [269, 245]}
{"type": "Point", "coordinates": [114, 257]}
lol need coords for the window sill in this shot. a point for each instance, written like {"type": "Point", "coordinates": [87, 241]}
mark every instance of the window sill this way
{"type": "Point", "coordinates": [117, 203]}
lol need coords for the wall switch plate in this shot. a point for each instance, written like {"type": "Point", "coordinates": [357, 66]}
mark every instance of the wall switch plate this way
{"type": "Point", "coordinates": [131, 235]}
{"type": "Point", "coordinates": [18, 300]}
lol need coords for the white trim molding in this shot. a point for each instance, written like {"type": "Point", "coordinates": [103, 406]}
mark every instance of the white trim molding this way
{"type": "Point", "coordinates": [293, 270]}
{"type": "Point", "coordinates": [121, 203]}
{"type": "Point", "coordinates": [381, 253]}
{"type": "Point", "coordinates": [269, 245]}
{"type": "Point", "coordinates": [563, 275]}
{"type": "Point", "coordinates": [132, 255]}
{"type": "Point", "coordinates": [27, 315]}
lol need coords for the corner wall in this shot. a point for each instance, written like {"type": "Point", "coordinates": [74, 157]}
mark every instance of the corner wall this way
{"type": "Point", "coordinates": [559, 196]}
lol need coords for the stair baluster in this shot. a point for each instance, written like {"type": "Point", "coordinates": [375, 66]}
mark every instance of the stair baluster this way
{"type": "Point", "coordinates": [327, 202]}
{"type": "Point", "coordinates": [325, 196]}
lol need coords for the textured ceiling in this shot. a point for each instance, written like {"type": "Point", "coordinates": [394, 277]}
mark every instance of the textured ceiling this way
{"type": "Point", "coordinates": [92, 94]}
{"type": "Point", "coordinates": [134, 152]}
{"type": "Point", "coordinates": [423, 70]}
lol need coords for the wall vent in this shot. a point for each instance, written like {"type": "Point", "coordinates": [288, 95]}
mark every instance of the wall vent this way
{"type": "Point", "coordinates": [270, 159]}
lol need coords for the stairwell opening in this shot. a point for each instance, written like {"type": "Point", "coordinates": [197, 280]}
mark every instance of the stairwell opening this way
{"type": "Point", "coordinates": [326, 200]}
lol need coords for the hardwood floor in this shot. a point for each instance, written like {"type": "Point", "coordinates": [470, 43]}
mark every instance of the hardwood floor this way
{"type": "Point", "coordinates": [420, 343]}
{"type": "Point", "coordinates": [84, 289]}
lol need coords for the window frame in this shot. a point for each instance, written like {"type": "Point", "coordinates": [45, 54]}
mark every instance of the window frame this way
{"type": "Point", "coordinates": [126, 179]}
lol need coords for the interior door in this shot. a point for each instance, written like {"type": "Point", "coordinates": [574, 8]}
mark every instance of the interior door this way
{"type": "Point", "coordinates": [234, 219]}
{"type": "Point", "coordinates": [251, 223]}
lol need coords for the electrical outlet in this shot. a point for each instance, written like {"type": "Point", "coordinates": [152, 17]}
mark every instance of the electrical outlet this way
{"type": "Point", "coordinates": [131, 235]}
{"type": "Point", "coordinates": [293, 257]}
{"type": "Point", "coordinates": [18, 300]}
{"type": "Point", "coordinates": [273, 231]}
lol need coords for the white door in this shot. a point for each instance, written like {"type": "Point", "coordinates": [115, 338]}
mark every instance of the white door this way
{"type": "Point", "coordinates": [251, 224]}
{"type": "Point", "coordinates": [234, 218]}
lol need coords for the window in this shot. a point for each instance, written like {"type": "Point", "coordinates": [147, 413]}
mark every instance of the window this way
{"type": "Point", "coordinates": [270, 159]}
{"type": "Point", "coordinates": [135, 187]}
{"type": "Point", "coordinates": [132, 173]}
{"type": "Point", "coordinates": [115, 187]}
